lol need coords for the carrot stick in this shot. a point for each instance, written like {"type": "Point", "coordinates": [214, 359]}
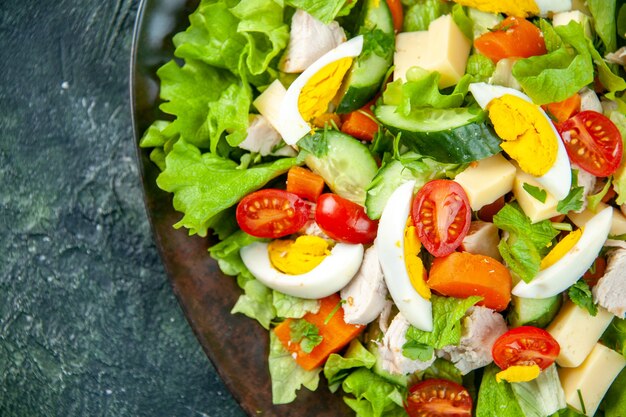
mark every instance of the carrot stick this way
{"type": "Point", "coordinates": [563, 110]}
{"type": "Point", "coordinates": [335, 332]}
{"type": "Point", "coordinates": [360, 124]}
{"type": "Point", "coordinates": [397, 14]}
{"type": "Point", "coordinates": [304, 183]}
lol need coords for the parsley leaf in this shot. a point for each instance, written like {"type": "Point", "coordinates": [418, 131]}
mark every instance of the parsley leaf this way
{"type": "Point", "coordinates": [580, 294]}
{"type": "Point", "coordinates": [417, 351]}
{"type": "Point", "coordinates": [527, 242]}
{"type": "Point", "coordinates": [305, 333]}
{"type": "Point", "coordinates": [574, 200]}
{"type": "Point", "coordinates": [537, 193]}
{"type": "Point", "coordinates": [447, 327]}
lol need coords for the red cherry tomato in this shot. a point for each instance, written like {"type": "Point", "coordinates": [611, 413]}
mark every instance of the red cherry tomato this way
{"type": "Point", "coordinates": [442, 216]}
{"type": "Point", "coordinates": [272, 213]}
{"type": "Point", "coordinates": [343, 220]}
{"type": "Point", "coordinates": [593, 142]}
{"type": "Point", "coordinates": [525, 345]}
{"type": "Point", "coordinates": [438, 398]}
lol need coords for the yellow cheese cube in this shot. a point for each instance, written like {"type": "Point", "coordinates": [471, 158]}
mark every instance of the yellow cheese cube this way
{"type": "Point", "coordinates": [533, 208]}
{"type": "Point", "coordinates": [577, 332]}
{"type": "Point", "coordinates": [268, 104]}
{"type": "Point", "coordinates": [591, 380]}
{"type": "Point", "coordinates": [411, 51]}
{"type": "Point", "coordinates": [443, 48]}
{"type": "Point", "coordinates": [618, 225]}
{"type": "Point", "coordinates": [448, 50]}
{"type": "Point", "coordinates": [487, 180]}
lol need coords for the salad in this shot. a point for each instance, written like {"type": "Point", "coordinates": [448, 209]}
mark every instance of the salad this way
{"type": "Point", "coordinates": [423, 201]}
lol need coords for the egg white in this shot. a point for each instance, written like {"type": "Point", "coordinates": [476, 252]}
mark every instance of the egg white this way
{"type": "Point", "coordinates": [289, 113]}
{"type": "Point", "coordinates": [558, 180]}
{"type": "Point", "coordinates": [331, 275]}
{"type": "Point", "coordinates": [567, 270]}
{"type": "Point", "coordinates": [553, 6]}
{"type": "Point", "coordinates": [390, 246]}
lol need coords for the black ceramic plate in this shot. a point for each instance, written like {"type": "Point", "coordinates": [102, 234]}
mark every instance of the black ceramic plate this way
{"type": "Point", "coordinates": [237, 346]}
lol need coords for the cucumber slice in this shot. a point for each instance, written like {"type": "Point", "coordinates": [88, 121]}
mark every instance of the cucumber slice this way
{"type": "Point", "coordinates": [387, 179]}
{"type": "Point", "coordinates": [447, 135]}
{"type": "Point", "coordinates": [346, 164]}
{"type": "Point", "coordinates": [533, 311]}
{"type": "Point", "coordinates": [369, 69]}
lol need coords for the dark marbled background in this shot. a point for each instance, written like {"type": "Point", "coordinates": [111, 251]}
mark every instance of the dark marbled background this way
{"type": "Point", "coordinates": [88, 323]}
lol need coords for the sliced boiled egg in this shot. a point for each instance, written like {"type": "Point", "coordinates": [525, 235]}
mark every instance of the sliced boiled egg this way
{"type": "Point", "coordinates": [529, 136]}
{"type": "Point", "coordinates": [309, 95]}
{"type": "Point", "coordinates": [519, 8]}
{"type": "Point", "coordinates": [390, 242]}
{"type": "Point", "coordinates": [329, 276]}
{"type": "Point", "coordinates": [559, 274]}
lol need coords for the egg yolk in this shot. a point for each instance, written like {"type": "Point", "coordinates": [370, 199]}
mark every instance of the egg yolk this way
{"type": "Point", "coordinates": [414, 265]}
{"type": "Point", "coordinates": [518, 8]}
{"type": "Point", "coordinates": [519, 373]}
{"type": "Point", "coordinates": [321, 88]}
{"type": "Point", "coordinates": [561, 248]}
{"type": "Point", "coordinates": [299, 256]}
{"type": "Point", "coordinates": [526, 132]}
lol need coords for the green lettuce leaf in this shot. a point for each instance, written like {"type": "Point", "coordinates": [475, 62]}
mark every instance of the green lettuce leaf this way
{"type": "Point", "coordinates": [255, 302]}
{"type": "Point", "coordinates": [542, 396]}
{"type": "Point", "coordinates": [337, 367]}
{"type": "Point", "coordinates": [527, 242]}
{"type": "Point", "coordinates": [288, 306]}
{"type": "Point", "coordinates": [550, 37]}
{"type": "Point", "coordinates": [206, 101]}
{"type": "Point", "coordinates": [614, 336]}
{"type": "Point", "coordinates": [287, 376]}
{"type": "Point", "coordinates": [372, 396]}
{"type": "Point", "coordinates": [614, 402]}
{"type": "Point", "coordinates": [603, 12]}
{"type": "Point", "coordinates": [205, 184]}
{"type": "Point", "coordinates": [496, 399]}
{"type": "Point", "coordinates": [619, 177]}
{"type": "Point", "coordinates": [480, 67]}
{"type": "Point", "coordinates": [447, 327]}
{"type": "Point", "coordinates": [226, 252]}
{"type": "Point", "coordinates": [420, 90]}
{"type": "Point", "coordinates": [560, 74]}
{"type": "Point", "coordinates": [463, 21]}
{"type": "Point", "coordinates": [420, 13]}
{"type": "Point", "coordinates": [323, 10]}
{"type": "Point", "coordinates": [243, 39]}
{"type": "Point", "coordinates": [442, 368]}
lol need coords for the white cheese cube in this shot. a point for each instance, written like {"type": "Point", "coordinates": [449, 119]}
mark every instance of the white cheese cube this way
{"type": "Point", "coordinates": [618, 225]}
{"type": "Point", "coordinates": [268, 103]}
{"type": "Point", "coordinates": [591, 380]}
{"type": "Point", "coordinates": [533, 208]}
{"type": "Point", "coordinates": [443, 48]}
{"type": "Point", "coordinates": [577, 332]}
{"type": "Point", "coordinates": [448, 50]}
{"type": "Point", "coordinates": [411, 50]}
{"type": "Point", "coordinates": [487, 180]}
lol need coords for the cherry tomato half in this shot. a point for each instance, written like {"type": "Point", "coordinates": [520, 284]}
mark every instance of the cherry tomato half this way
{"type": "Point", "coordinates": [272, 213]}
{"type": "Point", "coordinates": [442, 216]}
{"type": "Point", "coordinates": [593, 142]}
{"type": "Point", "coordinates": [525, 345]}
{"type": "Point", "coordinates": [343, 220]}
{"type": "Point", "coordinates": [438, 398]}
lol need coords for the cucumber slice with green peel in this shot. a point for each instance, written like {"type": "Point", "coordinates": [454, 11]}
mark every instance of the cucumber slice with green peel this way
{"type": "Point", "coordinates": [452, 136]}
{"type": "Point", "coordinates": [387, 179]}
{"type": "Point", "coordinates": [345, 163]}
{"type": "Point", "coordinates": [534, 312]}
{"type": "Point", "coordinates": [370, 67]}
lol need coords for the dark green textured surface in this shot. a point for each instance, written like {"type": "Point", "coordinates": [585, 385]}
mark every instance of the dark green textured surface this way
{"type": "Point", "coordinates": [88, 323]}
